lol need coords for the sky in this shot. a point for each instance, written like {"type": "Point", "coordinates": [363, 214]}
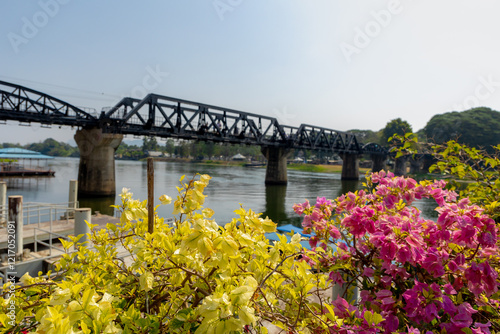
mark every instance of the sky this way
{"type": "Point", "coordinates": [342, 65]}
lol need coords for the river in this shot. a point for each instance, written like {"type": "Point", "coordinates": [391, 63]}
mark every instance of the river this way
{"type": "Point", "coordinates": [229, 186]}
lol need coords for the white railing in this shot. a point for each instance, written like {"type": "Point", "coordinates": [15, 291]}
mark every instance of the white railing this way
{"type": "Point", "coordinates": [36, 213]}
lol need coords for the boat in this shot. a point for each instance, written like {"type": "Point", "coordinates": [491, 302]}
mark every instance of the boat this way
{"type": "Point", "coordinates": [255, 164]}
{"type": "Point", "coordinates": [20, 162]}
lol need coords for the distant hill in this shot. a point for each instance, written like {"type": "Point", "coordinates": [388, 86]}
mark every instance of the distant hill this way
{"type": "Point", "coordinates": [478, 127]}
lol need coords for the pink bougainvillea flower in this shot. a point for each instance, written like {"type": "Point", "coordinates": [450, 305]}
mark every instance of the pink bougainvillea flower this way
{"type": "Point", "coordinates": [299, 208]}
{"type": "Point", "coordinates": [410, 268]}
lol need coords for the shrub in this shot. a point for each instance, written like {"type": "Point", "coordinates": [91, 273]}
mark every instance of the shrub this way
{"type": "Point", "coordinates": [417, 274]}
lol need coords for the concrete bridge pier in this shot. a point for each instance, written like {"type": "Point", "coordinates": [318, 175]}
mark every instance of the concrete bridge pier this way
{"type": "Point", "coordinates": [400, 166]}
{"type": "Point", "coordinates": [378, 162]}
{"type": "Point", "coordinates": [415, 165]}
{"type": "Point", "coordinates": [276, 164]}
{"type": "Point", "coordinates": [350, 166]}
{"type": "Point", "coordinates": [96, 173]}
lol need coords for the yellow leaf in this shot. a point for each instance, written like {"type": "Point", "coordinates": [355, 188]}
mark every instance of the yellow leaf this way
{"type": "Point", "coordinates": [164, 199]}
{"type": "Point", "coordinates": [240, 212]}
{"type": "Point", "coordinates": [87, 297]}
{"type": "Point", "coordinates": [268, 225]}
{"type": "Point", "coordinates": [146, 281]}
{"type": "Point", "coordinates": [242, 294]}
{"type": "Point", "coordinates": [205, 178]}
{"type": "Point", "coordinates": [192, 240]}
{"type": "Point", "coordinates": [26, 279]}
{"type": "Point", "coordinates": [247, 314]}
{"type": "Point", "coordinates": [227, 244]}
{"type": "Point", "coordinates": [60, 296]}
{"type": "Point", "coordinates": [207, 212]}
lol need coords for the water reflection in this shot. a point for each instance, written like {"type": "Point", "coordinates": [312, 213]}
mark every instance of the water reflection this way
{"type": "Point", "coordinates": [275, 203]}
{"type": "Point", "coordinates": [349, 186]}
{"type": "Point", "coordinates": [98, 204]}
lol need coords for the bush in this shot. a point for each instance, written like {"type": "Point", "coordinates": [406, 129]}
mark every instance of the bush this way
{"type": "Point", "coordinates": [413, 274]}
{"type": "Point", "coordinates": [193, 277]}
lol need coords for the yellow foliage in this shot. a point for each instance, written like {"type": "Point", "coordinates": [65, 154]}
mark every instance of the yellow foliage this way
{"type": "Point", "coordinates": [198, 277]}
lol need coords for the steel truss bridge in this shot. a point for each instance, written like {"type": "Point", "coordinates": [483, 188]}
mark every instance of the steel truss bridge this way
{"type": "Point", "coordinates": [167, 117]}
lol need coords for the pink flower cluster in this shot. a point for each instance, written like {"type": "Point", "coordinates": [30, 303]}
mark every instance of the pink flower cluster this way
{"type": "Point", "coordinates": [420, 275]}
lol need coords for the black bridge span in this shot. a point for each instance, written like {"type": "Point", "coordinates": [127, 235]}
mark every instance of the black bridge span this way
{"type": "Point", "coordinates": [167, 117]}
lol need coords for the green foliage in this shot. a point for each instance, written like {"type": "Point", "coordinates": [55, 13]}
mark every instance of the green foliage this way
{"type": "Point", "coordinates": [396, 126]}
{"type": "Point", "coordinates": [129, 152]}
{"type": "Point", "coordinates": [478, 168]}
{"type": "Point", "coordinates": [474, 172]}
{"type": "Point", "coordinates": [54, 148]}
{"type": "Point", "coordinates": [477, 127]}
{"type": "Point", "coordinates": [368, 136]}
{"type": "Point", "coordinates": [8, 145]}
{"type": "Point", "coordinates": [192, 277]}
{"type": "Point", "coordinates": [150, 144]}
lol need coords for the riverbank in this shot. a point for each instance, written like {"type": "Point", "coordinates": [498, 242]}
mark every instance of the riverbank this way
{"type": "Point", "coordinates": [321, 168]}
{"type": "Point", "coordinates": [314, 168]}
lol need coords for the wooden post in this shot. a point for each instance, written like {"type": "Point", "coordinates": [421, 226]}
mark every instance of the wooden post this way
{"type": "Point", "coordinates": [151, 195]}
{"type": "Point", "coordinates": [16, 216]}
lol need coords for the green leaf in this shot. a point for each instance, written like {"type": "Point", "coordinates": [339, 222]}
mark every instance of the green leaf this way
{"type": "Point", "coordinates": [368, 317]}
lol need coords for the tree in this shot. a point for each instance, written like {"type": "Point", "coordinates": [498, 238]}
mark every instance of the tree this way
{"type": "Point", "coordinates": [396, 126]}
{"type": "Point", "coordinates": [150, 144]}
{"type": "Point", "coordinates": [170, 146]}
{"type": "Point", "coordinates": [367, 136]}
{"type": "Point", "coordinates": [54, 148]}
{"type": "Point", "coordinates": [477, 127]}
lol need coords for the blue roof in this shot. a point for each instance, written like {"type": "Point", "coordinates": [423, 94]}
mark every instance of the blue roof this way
{"type": "Point", "coordinates": [289, 228]}
{"type": "Point", "coordinates": [21, 153]}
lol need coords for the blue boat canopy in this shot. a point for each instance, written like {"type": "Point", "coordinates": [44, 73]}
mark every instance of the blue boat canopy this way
{"type": "Point", "coordinates": [289, 228]}
{"type": "Point", "coordinates": [21, 153]}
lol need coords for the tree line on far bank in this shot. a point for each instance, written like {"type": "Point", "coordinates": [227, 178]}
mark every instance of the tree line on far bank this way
{"type": "Point", "coordinates": [477, 127]}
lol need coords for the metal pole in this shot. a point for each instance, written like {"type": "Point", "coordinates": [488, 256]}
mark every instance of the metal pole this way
{"type": "Point", "coordinates": [16, 217]}
{"type": "Point", "coordinates": [3, 202]}
{"type": "Point", "coordinates": [151, 195]}
{"type": "Point", "coordinates": [82, 216]}
{"type": "Point", "coordinates": [73, 192]}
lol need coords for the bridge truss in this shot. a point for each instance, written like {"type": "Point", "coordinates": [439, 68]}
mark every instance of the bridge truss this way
{"type": "Point", "coordinates": [26, 105]}
{"type": "Point", "coordinates": [167, 117]}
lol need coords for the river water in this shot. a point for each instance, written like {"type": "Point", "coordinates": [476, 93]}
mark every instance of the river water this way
{"type": "Point", "coordinates": [229, 186]}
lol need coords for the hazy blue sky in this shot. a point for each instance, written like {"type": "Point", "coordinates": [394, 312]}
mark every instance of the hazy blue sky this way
{"type": "Point", "coordinates": [339, 64]}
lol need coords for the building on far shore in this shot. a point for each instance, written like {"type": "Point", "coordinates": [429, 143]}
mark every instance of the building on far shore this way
{"type": "Point", "coordinates": [16, 161]}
